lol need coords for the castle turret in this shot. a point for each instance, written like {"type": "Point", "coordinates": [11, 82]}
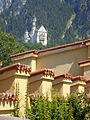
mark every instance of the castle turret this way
{"type": "Point", "coordinates": [38, 35]}
{"type": "Point", "coordinates": [42, 35]}
{"type": "Point", "coordinates": [26, 36]}
{"type": "Point", "coordinates": [33, 25]}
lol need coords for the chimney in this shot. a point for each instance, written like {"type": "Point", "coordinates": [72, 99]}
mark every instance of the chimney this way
{"type": "Point", "coordinates": [1, 64]}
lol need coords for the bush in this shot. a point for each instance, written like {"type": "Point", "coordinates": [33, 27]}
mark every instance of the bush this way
{"type": "Point", "coordinates": [75, 107]}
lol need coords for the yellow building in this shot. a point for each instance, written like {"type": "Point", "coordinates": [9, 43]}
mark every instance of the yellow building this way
{"type": "Point", "coordinates": [64, 68]}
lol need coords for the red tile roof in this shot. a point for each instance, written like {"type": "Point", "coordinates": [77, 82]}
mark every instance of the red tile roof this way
{"type": "Point", "coordinates": [63, 46]}
{"type": "Point", "coordinates": [66, 75]}
{"type": "Point", "coordinates": [82, 78]}
{"type": "Point", "coordinates": [87, 81]}
{"type": "Point", "coordinates": [84, 61]}
{"type": "Point", "coordinates": [53, 48]}
{"type": "Point", "coordinates": [17, 67]}
{"type": "Point", "coordinates": [8, 96]}
{"type": "Point", "coordinates": [46, 72]}
{"type": "Point", "coordinates": [23, 53]}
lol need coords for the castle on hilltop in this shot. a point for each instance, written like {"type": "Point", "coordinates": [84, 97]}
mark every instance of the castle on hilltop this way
{"type": "Point", "coordinates": [38, 35]}
{"type": "Point", "coordinates": [65, 68]}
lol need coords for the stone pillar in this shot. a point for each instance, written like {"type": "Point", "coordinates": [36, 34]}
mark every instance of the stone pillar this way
{"type": "Point", "coordinates": [85, 65]}
{"type": "Point", "coordinates": [21, 83]}
{"type": "Point", "coordinates": [33, 64]}
{"type": "Point", "coordinates": [78, 84]}
{"type": "Point", "coordinates": [62, 84]}
{"type": "Point", "coordinates": [87, 87]}
{"type": "Point", "coordinates": [12, 75]}
{"type": "Point", "coordinates": [40, 82]}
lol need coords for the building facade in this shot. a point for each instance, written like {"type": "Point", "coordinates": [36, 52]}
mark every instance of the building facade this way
{"type": "Point", "coordinates": [64, 68]}
{"type": "Point", "coordinates": [38, 35]}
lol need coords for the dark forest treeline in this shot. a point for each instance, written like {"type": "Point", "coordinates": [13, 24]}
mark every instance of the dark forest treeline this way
{"type": "Point", "coordinates": [55, 15]}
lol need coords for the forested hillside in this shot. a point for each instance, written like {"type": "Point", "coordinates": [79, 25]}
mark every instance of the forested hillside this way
{"type": "Point", "coordinates": [9, 46]}
{"type": "Point", "coordinates": [65, 20]}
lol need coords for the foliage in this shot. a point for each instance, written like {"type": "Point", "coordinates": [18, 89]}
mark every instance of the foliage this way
{"type": "Point", "coordinates": [8, 46]}
{"type": "Point", "coordinates": [27, 106]}
{"type": "Point", "coordinates": [75, 107]}
{"type": "Point", "coordinates": [31, 46]}
{"type": "Point", "coordinates": [16, 112]}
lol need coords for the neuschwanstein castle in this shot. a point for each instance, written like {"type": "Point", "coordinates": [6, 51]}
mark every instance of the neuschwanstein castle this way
{"type": "Point", "coordinates": [38, 35]}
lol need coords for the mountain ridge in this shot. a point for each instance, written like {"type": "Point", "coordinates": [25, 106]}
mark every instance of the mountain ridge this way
{"type": "Point", "coordinates": [56, 16]}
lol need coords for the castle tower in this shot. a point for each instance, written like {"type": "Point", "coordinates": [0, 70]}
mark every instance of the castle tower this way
{"type": "Point", "coordinates": [33, 26]}
{"type": "Point", "coordinates": [38, 35]}
{"type": "Point", "coordinates": [42, 35]}
{"type": "Point", "coordinates": [26, 36]}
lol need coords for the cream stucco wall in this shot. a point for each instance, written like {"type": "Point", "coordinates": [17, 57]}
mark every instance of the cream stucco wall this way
{"type": "Point", "coordinates": [6, 106]}
{"type": "Point", "coordinates": [87, 72]}
{"type": "Point", "coordinates": [66, 89]}
{"type": "Point", "coordinates": [58, 88]}
{"type": "Point", "coordinates": [77, 88]}
{"type": "Point", "coordinates": [40, 84]}
{"type": "Point", "coordinates": [46, 88]}
{"type": "Point", "coordinates": [81, 88]}
{"type": "Point", "coordinates": [8, 82]}
{"type": "Point", "coordinates": [62, 88]}
{"type": "Point", "coordinates": [62, 85]}
{"type": "Point", "coordinates": [7, 85]}
{"type": "Point", "coordinates": [21, 82]}
{"type": "Point", "coordinates": [35, 87]}
{"type": "Point", "coordinates": [6, 112]}
{"type": "Point", "coordinates": [88, 51]}
{"type": "Point", "coordinates": [28, 61]}
{"type": "Point", "coordinates": [87, 88]}
{"type": "Point", "coordinates": [64, 62]}
{"type": "Point", "coordinates": [61, 61]}
{"type": "Point", "coordinates": [73, 89]}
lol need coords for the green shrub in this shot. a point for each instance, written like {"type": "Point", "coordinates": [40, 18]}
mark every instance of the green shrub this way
{"type": "Point", "coordinates": [75, 107]}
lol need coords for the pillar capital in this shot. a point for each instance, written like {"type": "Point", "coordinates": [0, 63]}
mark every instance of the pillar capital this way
{"type": "Point", "coordinates": [62, 84]}
{"type": "Point", "coordinates": [41, 82]}
{"type": "Point", "coordinates": [78, 84]}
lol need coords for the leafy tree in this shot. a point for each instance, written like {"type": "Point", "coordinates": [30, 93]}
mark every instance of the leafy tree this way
{"type": "Point", "coordinates": [8, 46]}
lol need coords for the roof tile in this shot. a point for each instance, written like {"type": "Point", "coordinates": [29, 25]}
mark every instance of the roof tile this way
{"type": "Point", "coordinates": [17, 67]}
{"type": "Point", "coordinates": [47, 72]}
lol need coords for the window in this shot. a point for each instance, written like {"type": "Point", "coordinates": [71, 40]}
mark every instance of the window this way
{"type": "Point", "coordinates": [42, 37]}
